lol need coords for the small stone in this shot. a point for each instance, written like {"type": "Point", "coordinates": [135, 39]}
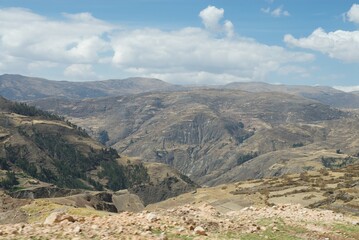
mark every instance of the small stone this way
{"type": "Point", "coordinates": [151, 217]}
{"type": "Point", "coordinates": [54, 217]}
{"type": "Point", "coordinates": [181, 229]}
{"type": "Point", "coordinates": [200, 231]}
{"type": "Point", "coordinates": [57, 217]}
{"type": "Point", "coordinates": [147, 228]}
{"type": "Point", "coordinates": [33, 181]}
{"type": "Point", "coordinates": [77, 229]}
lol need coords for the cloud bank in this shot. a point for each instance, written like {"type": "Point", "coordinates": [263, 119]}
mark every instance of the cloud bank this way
{"type": "Point", "coordinates": [78, 45]}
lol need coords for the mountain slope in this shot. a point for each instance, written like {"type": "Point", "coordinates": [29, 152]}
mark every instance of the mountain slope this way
{"type": "Point", "coordinates": [17, 87]}
{"type": "Point", "coordinates": [38, 147]}
{"type": "Point", "coordinates": [311, 205]}
{"type": "Point", "coordinates": [326, 95]}
{"type": "Point", "coordinates": [209, 134]}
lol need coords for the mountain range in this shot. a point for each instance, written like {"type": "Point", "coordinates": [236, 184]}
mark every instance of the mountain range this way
{"type": "Point", "coordinates": [212, 134]}
{"type": "Point", "coordinates": [216, 136]}
{"type": "Point", "coordinates": [22, 88]}
{"type": "Point", "coordinates": [232, 161]}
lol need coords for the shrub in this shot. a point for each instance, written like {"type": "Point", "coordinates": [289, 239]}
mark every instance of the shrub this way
{"type": "Point", "coordinates": [26, 110]}
{"type": "Point", "coordinates": [296, 145]}
{"type": "Point", "coordinates": [9, 181]}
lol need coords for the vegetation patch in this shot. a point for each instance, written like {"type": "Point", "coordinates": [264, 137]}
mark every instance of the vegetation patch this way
{"type": "Point", "coordinates": [334, 163]}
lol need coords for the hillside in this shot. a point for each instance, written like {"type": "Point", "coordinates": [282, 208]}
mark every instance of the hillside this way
{"type": "Point", "coordinates": [218, 136]}
{"type": "Point", "coordinates": [334, 190]}
{"type": "Point", "coordinates": [312, 205]}
{"type": "Point", "coordinates": [17, 87]}
{"type": "Point", "coordinates": [43, 156]}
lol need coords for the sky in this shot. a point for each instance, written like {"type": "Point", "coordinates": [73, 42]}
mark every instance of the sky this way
{"type": "Point", "coordinates": [302, 42]}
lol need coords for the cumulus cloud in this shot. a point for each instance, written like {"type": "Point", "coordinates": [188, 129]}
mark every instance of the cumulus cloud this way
{"type": "Point", "coordinates": [353, 14]}
{"type": "Point", "coordinates": [277, 12]}
{"type": "Point", "coordinates": [211, 16]}
{"type": "Point", "coordinates": [340, 44]}
{"type": "Point", "coordinates": [36, 38]}
{"type": "Point", "coordinates": [193, 50]}
{"type": "Point", "coordinates": [79, 45]}
{"type": "Point", "coordinates": [211, 19]}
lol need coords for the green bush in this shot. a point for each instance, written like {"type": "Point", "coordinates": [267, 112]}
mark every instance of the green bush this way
{"type": "Point", "coordinates": [333, 163]}
{"type": "Point", "coordinates": [26, 110]}
{"type": "Point", "coordinates": [246, 157]}
{"type": "Point", "coordinates": [122, 177]}
{"type": "Point", "coordinates": [9, 181]}
{"type": "Point", "coordinates": [3, 164]}
{"type": "Point", "coordinates": [103, 137]}
{"type": "Point", "coordinates": [296, 145]}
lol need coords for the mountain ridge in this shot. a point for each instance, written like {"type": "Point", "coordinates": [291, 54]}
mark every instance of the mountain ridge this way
{"type": "Point", "coordinates": [18, 87]}
{"type": "Point", "coordinates": [23, 88]}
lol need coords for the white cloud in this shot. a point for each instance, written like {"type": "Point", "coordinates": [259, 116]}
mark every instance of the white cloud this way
{"type": "Point", "coordinates": [347, 88]}
{"type": "Point", "coordinates": [191, 50]}
{"type": "Point", "coordinates": [229, 28]}
{"type": "Point", "coordinates": [79, 45]}
{"type": "Point", "coordinates": [37, 65]}
{"type": "Point", "coordinates": [36, 38]}
{"type": "Point", "coordinates": [211, 19]}
{"type": "Point", "coordinates": [342, 45]}
{"type": "Point", "coordinates": [211, 16]}
{"type": "Point", "coordinates": [80, 72]}
{"type": "Point", "coordinates": [293, 69]}
{"type": "Point", "coordinates": [353, 14]}
{"type": "Point", "coordinates": [277, 12]}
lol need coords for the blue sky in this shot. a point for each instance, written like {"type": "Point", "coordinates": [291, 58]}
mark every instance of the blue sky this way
{"type": "Point", "coordinates": [183, 41]}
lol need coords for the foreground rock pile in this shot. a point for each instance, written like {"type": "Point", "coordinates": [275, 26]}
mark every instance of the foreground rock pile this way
{"type": "Point", "coordinates": [187, 222]}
